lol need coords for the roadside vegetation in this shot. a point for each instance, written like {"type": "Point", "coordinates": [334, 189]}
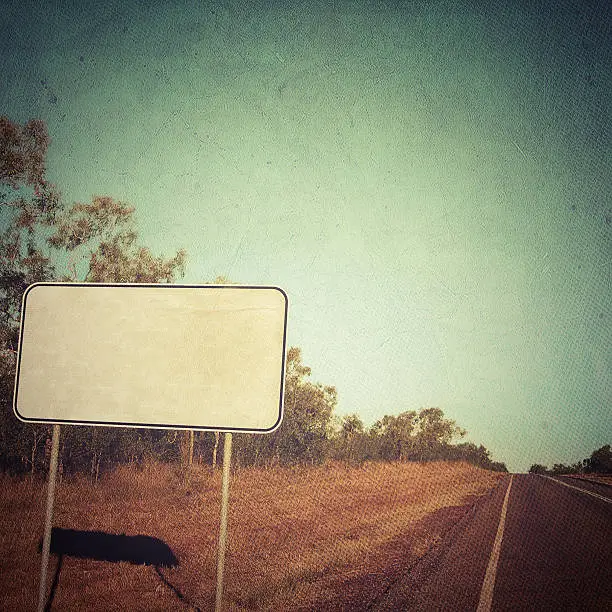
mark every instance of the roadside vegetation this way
{"type": "Point", "coordinates": [303, 537]}
{"type": "Point", "coordinates": [600, 462]}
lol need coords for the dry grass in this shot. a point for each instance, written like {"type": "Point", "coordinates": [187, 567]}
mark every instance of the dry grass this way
{"type": "Point", "coordinates": [600, 478]}
{"type": "Point", "coordinates": [307, 537]}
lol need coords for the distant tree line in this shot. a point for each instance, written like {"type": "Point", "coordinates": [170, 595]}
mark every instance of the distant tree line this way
{"type": "Point", "coordinates": [600, 462]}
{"type": "Point", "coordinates": [44, 239]}
{"type": "Point", "coordinates": [310, 433]}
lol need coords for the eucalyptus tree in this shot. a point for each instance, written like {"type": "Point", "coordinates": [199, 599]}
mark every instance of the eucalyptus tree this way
{"type": "Point", "coordinates": [42, 238]}
{"type": "Point", "coordinates": [304, 434]}
{"type": "Point", "coordinates": [434, 434]}
{"type": "Point", "coordinates": [394, 435]}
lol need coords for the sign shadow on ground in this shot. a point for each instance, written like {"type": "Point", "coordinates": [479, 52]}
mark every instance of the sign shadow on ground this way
{"type": "Point", "coordinates": [112, 548]}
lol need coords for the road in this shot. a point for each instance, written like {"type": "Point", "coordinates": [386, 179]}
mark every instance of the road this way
{"type": "Point", "coordinates": [536, 543]}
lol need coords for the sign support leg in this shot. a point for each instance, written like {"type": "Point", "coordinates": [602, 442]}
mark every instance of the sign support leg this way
{"type": "Point", "coordinates": [227, 457]}
{"type": "Point", "coordinates": [46, 547]}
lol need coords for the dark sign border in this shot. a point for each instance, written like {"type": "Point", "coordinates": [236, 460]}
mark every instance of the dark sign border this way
{"type": "Point", "coordinates": [142, 425]}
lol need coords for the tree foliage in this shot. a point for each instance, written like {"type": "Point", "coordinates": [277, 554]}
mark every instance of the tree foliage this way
{"type": "Point", "coordinates": [600, 462]}
{"type": "Point", "coordinates": [303, 436]}
{"type": "Point", "coordinates": [538, 468]}
{"type": "Point", "coordinates": [44, 239]}
{"type": "Point", "coordinates": [350, 441]}
{"type": "Point", "coordinates": [22, 153]}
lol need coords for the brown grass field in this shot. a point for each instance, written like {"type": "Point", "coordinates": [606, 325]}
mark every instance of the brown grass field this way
{"type": "Point", "coordinates": [600, 478]}
{"type": "Point", "coordinates": [329, 537]}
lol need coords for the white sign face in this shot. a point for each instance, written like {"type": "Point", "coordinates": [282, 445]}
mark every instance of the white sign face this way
{"type": "Point", "coordinates": [197, 357]}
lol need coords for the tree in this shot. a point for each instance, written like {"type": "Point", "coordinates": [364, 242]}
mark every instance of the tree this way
{"type": "Point", "coordinates": [303, 436]}
{"type": "Point", "coordinates": [422, 436]}
{"type": "Point", "coordinates": [434, 434]}
{"type": "Point", "coordinates": [350, 442]}
{"type": "Point", "coordinates": [44, 239]}
{"type": "Point", "coordinates": [537, 468]}
{"type": "Point", "coordinates": [351, 427]}
{"type": "Point", "coordinates": [600, 461]}
{"type": "Point", "coordinates": [559, 468]}
{"type": "Point", "coordinates": [394, 434]}
{"type": "Point", "coordinates": [22, 153]}
{"type": "Point", "coordinates": [308, 408]}
{"type": "Point", "coordinates": [26, 201]}
{"type": "Point", "coordinates": [101, 240]}
{"type": "Point", "coordinates": [497, 466]}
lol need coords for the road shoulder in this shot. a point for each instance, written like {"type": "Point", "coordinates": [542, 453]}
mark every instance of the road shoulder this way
{"type": "Point", "coordinates": [451, 574]}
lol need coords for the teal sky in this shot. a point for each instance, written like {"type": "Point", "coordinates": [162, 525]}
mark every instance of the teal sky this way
{"type": "Point", "coordinates": [430, 182]}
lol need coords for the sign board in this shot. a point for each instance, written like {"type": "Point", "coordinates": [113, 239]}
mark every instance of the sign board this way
{"type": "Point", "coordinates": [177, 356]}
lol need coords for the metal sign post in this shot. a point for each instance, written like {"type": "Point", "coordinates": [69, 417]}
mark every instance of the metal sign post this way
{"type": "Point", "coordinates": [46, 547]}
{"type": "Point", "coordinates": [227, 457]}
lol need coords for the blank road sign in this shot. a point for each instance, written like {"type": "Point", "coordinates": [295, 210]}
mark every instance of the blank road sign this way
{"type": "Point", "coordinates": [179, 356]}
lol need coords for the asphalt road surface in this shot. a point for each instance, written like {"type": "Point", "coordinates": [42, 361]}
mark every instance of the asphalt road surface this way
{"type": "Point", "coordinates": [536, 543]}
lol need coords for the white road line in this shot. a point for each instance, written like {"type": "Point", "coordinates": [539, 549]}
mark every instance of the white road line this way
{"type": "Point", "coordinates": [606, 499]}
{"type": "Point", "coordinates": [486, 594]}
